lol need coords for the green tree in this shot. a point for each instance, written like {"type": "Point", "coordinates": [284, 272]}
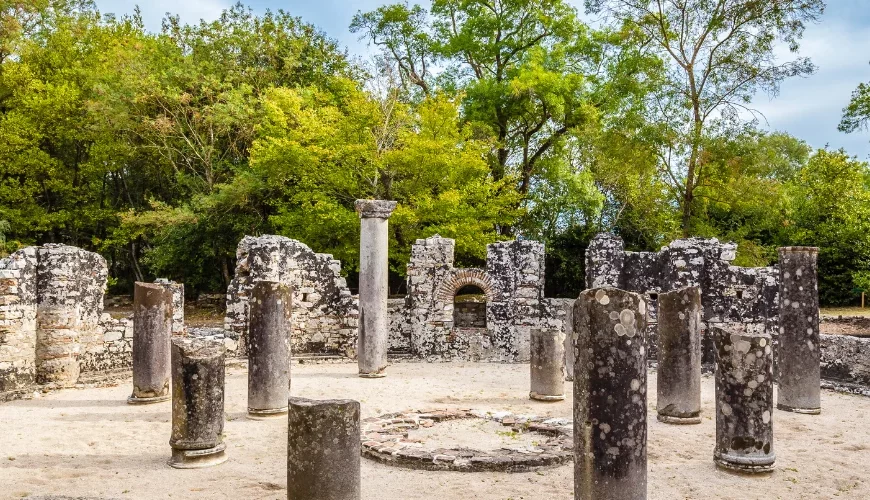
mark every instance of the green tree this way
{"type": "Point", "coordinates": [856, 116]}
{"type": "Point", "coordinates": [719, 54]}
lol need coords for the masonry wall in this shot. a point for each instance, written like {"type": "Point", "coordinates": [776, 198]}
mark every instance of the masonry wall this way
{"type": "Point", "coordinates": [325, 314]}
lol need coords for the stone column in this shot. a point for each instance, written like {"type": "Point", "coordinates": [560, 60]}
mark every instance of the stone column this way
{"type": "Point", "coordinates": [197, 403]}
{"type": "Point", "coordinates": [679, 355]}
{"type": "Point", "coordinates": [269, 350]}
{"type": "Point", "coordinates": [152, 331]}
{"type": "Point", "coordinates": [177, 290]}
{"type": "Point", "coordinates": [799, 352]}
{"type": "Point", "coordinates": [605, 257]}
{"type": "Point", "coordinates": [323, 449]}
{"type": "Point", "coordinates": [373, 290]}
{"type": "Point", "coordinates": [610, 427]}
{"type": "Point", "coordinates": [570, 338]}
{"type": "Point", "coordinates": [58, 316]}
{"type": "Point", "coordinates": [744, 399]}
{"type": "Point", "coordinates": [547, 365]}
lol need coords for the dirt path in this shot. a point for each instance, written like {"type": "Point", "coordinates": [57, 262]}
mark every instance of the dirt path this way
{"type": "Point", "coordinates": [89, 442]}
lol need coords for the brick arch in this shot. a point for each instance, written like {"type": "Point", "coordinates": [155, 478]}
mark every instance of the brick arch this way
{"type": "Point", "coordinates": [461, 278]}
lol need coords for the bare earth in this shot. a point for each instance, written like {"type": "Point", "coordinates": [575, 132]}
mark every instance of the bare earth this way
{"type": "Point", "coordinates": [89, 442]}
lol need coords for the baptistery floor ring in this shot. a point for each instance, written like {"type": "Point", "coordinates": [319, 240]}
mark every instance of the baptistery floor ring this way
{"type": "Point", "coordinates": [389, 439]}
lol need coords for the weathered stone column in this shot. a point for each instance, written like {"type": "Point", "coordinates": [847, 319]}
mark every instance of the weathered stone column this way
{"type": "Point", "coordinates": [610, 395]}
{"type": "Point", "coordinates": [197, 403]}
{"type": "Point", "coordinates": [323, 449]}
{"type": "Point", "coordinates": [152, 331]}
{"type": "Point", "coordinates": [679, 356]}
{"type": "Point", "coordinates": [744, 399]}
{"type": "Point", "coordinates": [605, 257]}
{"type": "Point", "coordinates": [570, 338]}
{"type": "Point", "coordinates": [373, 290]}
{"type": "Point", "coordinates": [58, 318]}
{"type": "Point", "coordinates": [547, 365]}
{"type": "Point", "coordinates": [177, 290]}
{"type": "Point", "coordinates": [269, 350]}
{"type": "Point", "coordinates": [798, 362]}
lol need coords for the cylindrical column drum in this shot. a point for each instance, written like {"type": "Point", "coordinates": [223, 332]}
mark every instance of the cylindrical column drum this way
{"type": "Point", "coordinates": [269, 350]}
{"type": "Point", "coordinates": [197, 403]}
{"type": "Point", "coordinates": [799, 359]}
{"type": "Point", "coordinates": [744, 399]}
{"type": "Point", "coordinates": [152, 331]}
{"type": "Point", "coordinates": [547, 351]}
{"type": "Point", "coordinates": [323, 449]}
{"type": "Point", "coordinates": [679, 371]}
{"type": "Point", "coordinates": [610, 428]}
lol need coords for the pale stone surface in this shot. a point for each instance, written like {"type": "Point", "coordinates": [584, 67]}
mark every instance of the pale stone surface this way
{"type": "Point", "coordinates": [323, 449]}
{"type": "Point", "coordinates": [799, 350]}
{"type": "Point", "coordinates": [122, 448]}
{"type": "Point", "coordinates": [373, 286]}
{"type": "Point", "coordinates": [610, 393]}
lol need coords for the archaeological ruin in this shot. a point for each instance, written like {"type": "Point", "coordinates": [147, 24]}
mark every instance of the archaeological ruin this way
{"type": "Point", "coordinates": [681, 311]}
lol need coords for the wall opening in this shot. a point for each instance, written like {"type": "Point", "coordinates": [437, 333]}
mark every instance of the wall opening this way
{"type": "Point", "coordinates": [469, 307]}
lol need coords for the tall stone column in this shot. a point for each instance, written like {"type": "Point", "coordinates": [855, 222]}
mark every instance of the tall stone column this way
{"type": "Point", "coordinates": [547, 365]}
{"type": "Point", "coordinates": [197, 403]}
{"type": "Point", "coordinates": [269, 350]}
{"type": "Point", "coordinates": [744, 399]}
{"type": "Point", "coordinates": [570, 338]}
{"type": "Point", "coordinates": [798, 362]}
{"type": "Point", "coordinates": [679, 356]}
{"type": "Point", "coordinates": [152, 331]}
{"type": "Point", "coordinates": [323, 449]}
{"type": "Point", "coordinates": [610, 428]}
{"type": "Point", "coordinates": [373, 289]}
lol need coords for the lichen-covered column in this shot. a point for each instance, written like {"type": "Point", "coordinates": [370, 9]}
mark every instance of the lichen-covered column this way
{"type": "Point", "coordinates": [269, 350]}
{"type": "Point", "coordinates": [373, 289]}
{"type": "Point", "coordinates": [197, 403]}
{"type": "Point", "coordinates": [570, 338]}
{"type": "Point", "coordinates": [610, 395]}
{"type": "Point", "coordinates": [744, 399]}
{"type": "Point", "coordinates": [152, 331]}
{"type": "Point", "coordinates": [323, 449]}
{"type": "Point", "coordinates": [547, 365]}
{"type": "Point", "coordinates": [799, 352]}
{"type": "Point", "coordinates": [679, 356]}
{"type": "Point", "coordinates": [605, 257]}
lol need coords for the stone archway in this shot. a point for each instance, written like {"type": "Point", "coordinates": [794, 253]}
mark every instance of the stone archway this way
{"type": "Point", "coordinates": [464, 277]}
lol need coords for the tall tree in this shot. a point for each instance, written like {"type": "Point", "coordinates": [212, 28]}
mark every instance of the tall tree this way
{"type": "Point", "coordinates": [720, 53]}
{"type": "Point", "coordinates": [856, 116]}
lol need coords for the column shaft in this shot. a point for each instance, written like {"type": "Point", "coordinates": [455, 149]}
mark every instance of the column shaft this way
{"type": "Point", "coordinates": [610, 428]}
{"type": "Point", "coordinates": [799, 353]}
{"type": "Point", "coordinates": [152, 331]}
{"type": "Point", "coordinates": [679, 355]}
{"type": "Point", "coordinates": [269, 349]}
{"type": "Point", "coordinates": [547, 365]}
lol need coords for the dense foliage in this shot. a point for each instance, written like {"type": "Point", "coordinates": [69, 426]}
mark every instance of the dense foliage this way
{"type": "Point", "coordinates": [485, 120]}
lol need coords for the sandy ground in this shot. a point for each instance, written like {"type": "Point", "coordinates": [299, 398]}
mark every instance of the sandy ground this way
{"type": "Point", "coordinates": [89, 442]}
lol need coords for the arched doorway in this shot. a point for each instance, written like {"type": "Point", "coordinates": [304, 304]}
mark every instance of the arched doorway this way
{"type": "Point", "coordinates": [469, 307]}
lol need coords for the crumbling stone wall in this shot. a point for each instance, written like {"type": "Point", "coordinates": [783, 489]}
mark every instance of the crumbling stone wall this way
{"type": "Point", "coordinates": [729, 293]}
{"type": "Point", "coordinates": [325, 315]}
{"type": "Point", "coordinates": [512, 282]}
{"type": "Point", "coordinates": [18, 320]}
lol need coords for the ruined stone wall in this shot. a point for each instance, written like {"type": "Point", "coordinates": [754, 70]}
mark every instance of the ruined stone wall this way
{"type": "Point", "coordinates": [18, 320]}
{"type": "Point", "coordinates": [325, 314]}
{"type": "Point", "coordinates": [399, 340]}
{"type": "Point", "coordinates": [52, 326]}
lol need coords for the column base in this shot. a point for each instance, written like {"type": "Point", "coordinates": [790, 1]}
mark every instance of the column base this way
{"type": "Point", "coordinates": [198, 459]}
{"type": "Point", "coordinates": [804, 411]}
{"type": "Point", "coordinates": [670, 419]}
{"type": "Point", "coordinates": [372, 375]}
{"type": "Point", "coordinates": [256, 414]}
{"type": "Point", "coordinates": [746, 465]}
{"type": "Point", "coordinates": [545, 397]}
{"type": "Point", "coordinates": [133, 400]}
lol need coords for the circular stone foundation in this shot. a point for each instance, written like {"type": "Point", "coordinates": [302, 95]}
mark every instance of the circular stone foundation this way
{"type": "Point", "coordinates": [433, 440]}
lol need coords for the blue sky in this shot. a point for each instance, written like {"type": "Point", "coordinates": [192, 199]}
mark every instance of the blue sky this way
{"type": "Point", "coordinates": [809, 108]}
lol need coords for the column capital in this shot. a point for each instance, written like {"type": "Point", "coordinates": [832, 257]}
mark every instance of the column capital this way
{"type": "Point", "coordinates": [374, 209]}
